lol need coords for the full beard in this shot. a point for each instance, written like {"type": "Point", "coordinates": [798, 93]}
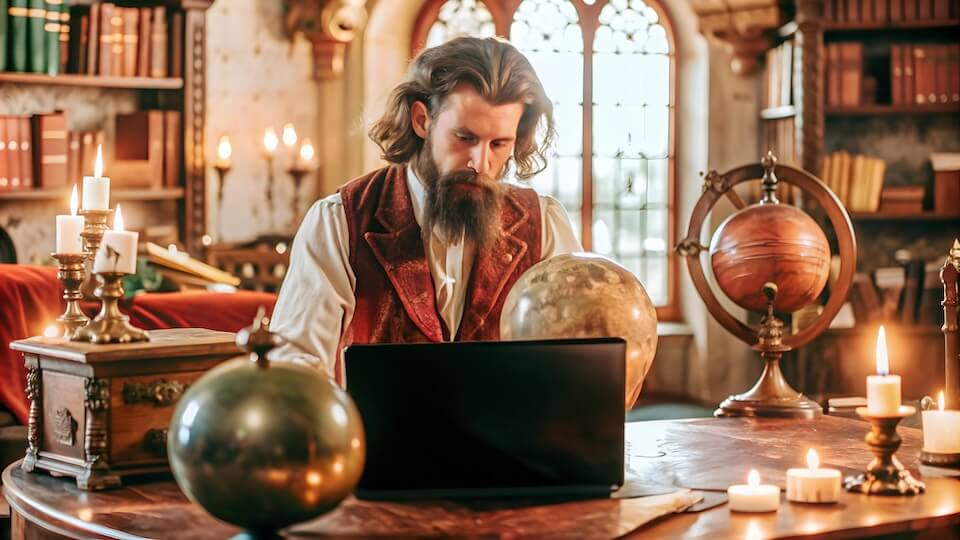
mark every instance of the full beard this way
{"type": "Point", "coordinates": [451, 208]}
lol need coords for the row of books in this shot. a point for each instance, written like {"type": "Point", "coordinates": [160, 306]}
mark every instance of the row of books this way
{"type": "Point", "coordinates": [908, 294]}
{"type": "Point", "coordinates": [919, 74]}
{"type": "Point", "coordinates": [777, 90]}
{"type": "Point", "coordinates": [857, 180]}
{"type": "Point", "coordinates": [889, 11]}
{"type": "Point", "coordinates": [39, 152]}
{"type": "Point", "coordinates": [48, 36]}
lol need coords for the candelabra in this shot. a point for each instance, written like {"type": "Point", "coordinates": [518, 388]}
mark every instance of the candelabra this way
{"type": "Point", "coordinates": [71, 275]}
{"type": "Point", "coordinates": [110, 326]}
{"type": "Point", "coordinates": [94, 225]}
{"type": "Point", "coordinates": [885, 475]}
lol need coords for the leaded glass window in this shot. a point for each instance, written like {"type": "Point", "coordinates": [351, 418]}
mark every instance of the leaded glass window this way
{"type": "Point", "coordinates": [461, 18]}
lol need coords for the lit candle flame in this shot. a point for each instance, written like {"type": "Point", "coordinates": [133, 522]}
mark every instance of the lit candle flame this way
{"type": "Point", "coordinates": [940, 400]}
{"type": "Point", "coordinates": [306, 150]}
{"type": "Point", "coordinates": [224, 150]}
{"type": "Point", "coordinates": [753, 479]}
{"type": "Point", "coordinates": [118, 220]}
{"type": "Point", "coordinates": [51, 331]}
{"type": "Point", "coordinates": [289, 135]}
{"type": "Point", "coordinates": [270, 140]}
{"type": "Point", "coordinates": [98, 163]}
{"type": "Point", "coordinates": [74, 201]}
{"type": "Point", "coordinates": [813, 460]}
{"type": "Point", "coordinates": [883, 363]}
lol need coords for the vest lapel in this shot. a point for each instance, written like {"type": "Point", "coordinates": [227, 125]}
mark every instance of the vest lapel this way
{"type": "Point", "coordinates": [492, 269]}
{"type": "Point", "coordinates": [400, 253]}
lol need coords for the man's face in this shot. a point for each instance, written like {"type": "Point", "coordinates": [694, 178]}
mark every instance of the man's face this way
{"type": "Point", "coordinates": [467, 146]}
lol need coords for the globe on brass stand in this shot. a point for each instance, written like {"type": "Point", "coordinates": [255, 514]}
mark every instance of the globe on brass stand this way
{"type": "Point", "coordinates": [770, 258]}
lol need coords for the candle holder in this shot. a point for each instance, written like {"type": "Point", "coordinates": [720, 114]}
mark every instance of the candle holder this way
{"type": "Point", "coordinates": [268, 157]}
{"type": "Point", "coordinates": [110, 326]}
{"type": "Point", "coordinates": [222, 171]}
{"type": "Point", "coordinates": [71, 274]}
{"type": "Point", "coordinates": [94, 225]}
{"type": "Point", "coordinates": [885, 475]}
{"type": "Point", "coordinates": [297, 172]}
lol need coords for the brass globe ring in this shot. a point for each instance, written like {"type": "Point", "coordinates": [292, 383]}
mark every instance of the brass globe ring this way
{"type": "Point", "coordinates": [718, 186]}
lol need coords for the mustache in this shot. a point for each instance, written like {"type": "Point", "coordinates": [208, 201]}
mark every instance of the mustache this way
{"type": "Point", "coordinates": [469, 176]}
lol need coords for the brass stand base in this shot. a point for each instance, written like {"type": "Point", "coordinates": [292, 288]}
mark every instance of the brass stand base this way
{"type": "Point", "coordinates": [71, 275]}
{"type": "Point", "coordinates": [771, 397]}
{"type": "Point", "coordinates": [940, 460]}
{"type": "Point", "coordinates": [110, 326]}
{"type": "Point", "coordinates": [885, 475]}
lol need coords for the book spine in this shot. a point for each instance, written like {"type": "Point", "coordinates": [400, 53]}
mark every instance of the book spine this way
{"type": "Point", "coordinates": [175, 44]}
{"type": "Point", "coordinates": [954, 67]}
{"type": "Point", "coordinates": [941, 9]}
{"type": "Point", "coordinates": [17, 20]}
{"type": "Point", "coordinates": [925, 75]}
{"type": "Point", "coordinates": [156, 143]}
{"type": "Point", "coordinates": [158, 43]}
{"type": "Point", "coordinates": [88, 151]}
{"type": "Point", "coordinates": [851, 57]}
{"type": "Point", "coordinates": [924, 9]}
{"type": "Point", "coordinates": [26, 152]}
{"type": "Point", "coordinates": [896, 74]}
{"type": "Point", "coordinates": [63, 40]}
{"type": "Point", "coordinates": [74, 159]}
{"type": "Point", "coordinates": [172, 136]}
{"type": "Point", "coordinates": [36, 37]}
{"type": "Point", "coordinates": [51, 149]}
{"type": "Point", "coordinates": [941, 57]}
{"type": "Point", "coordinates": [51, 33]}
{"type": "Point", "coordinates": [4, 33]}
{"type": "Point", "coordinates": [866, 10]}
{"type": "Point", "coordinates": [116, 40]}
{"type": "Point", "coordinates": [13, 151]}
{"type": "Point", "coordinates": [143, 43]}
{"type": "Point", "coordinates": [93, 40]}
{"type": "Point", "coordinates": [106, 40]}
{"type": "Point", "coordinates": [4, 169]}
{"type": "Point", "coordinates": [131, 20]}
{"type": "Point", "coordinates": [896, 11]}
{"type": "Point", "coordinates": [880, 8]}
{"type": "Point", "coordinates": [853, 10]}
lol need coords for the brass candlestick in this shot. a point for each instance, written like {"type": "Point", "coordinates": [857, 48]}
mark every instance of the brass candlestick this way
{"type": "Point", "coordinates": [110, 326]}
{"type": "Point", "coordinates": [71, 275]}
{"type": "Point", "coordinates": [222, 171]}
{"type": "Point", "coordinates": [885, 475]}
{"type": "Point", "coordinates": [94, 225]}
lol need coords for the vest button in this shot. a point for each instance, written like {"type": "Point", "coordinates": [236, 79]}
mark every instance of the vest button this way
{"type": "Point", "coordinates": [508, 257]}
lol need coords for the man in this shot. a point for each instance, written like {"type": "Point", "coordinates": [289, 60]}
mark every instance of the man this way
{"type": "Point", "coordinates": [428, 248]}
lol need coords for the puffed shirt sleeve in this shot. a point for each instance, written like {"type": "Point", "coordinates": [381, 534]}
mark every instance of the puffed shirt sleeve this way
{"type": "Point", "coordinates": [316, 301]}
{"type": "Point", "coordinates": [557, 236]}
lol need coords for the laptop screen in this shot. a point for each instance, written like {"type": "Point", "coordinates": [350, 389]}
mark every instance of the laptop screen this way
{"type": "Point", "coordinates": [499, 417]}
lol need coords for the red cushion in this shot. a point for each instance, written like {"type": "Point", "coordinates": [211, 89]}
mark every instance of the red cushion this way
{"type": "Point", "coordinates": [30, 300]}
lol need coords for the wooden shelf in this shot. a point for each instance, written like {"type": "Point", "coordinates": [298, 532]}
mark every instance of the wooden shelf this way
{"type": "Point", "coordinates": [777, 113]}
{"type": "Point", "coordinates": [120, 194]}
{"type": "Point", "coordinates": [881, 110]}
{"type": "Point", "coordinates": [97, 81]}
{"type": "Point", "coordinates": [887, 216]}
{"type": "Point", "coordinates": [886, 25]}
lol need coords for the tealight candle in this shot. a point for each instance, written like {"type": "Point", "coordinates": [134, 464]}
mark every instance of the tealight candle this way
{"type": "Point", "coordinates": [754, 496]}
{"type": "Point", "coordinates": [941, 430]}
{"type": "Point", "coordinates": [813, 484]}
{"type": "Point", "coordinates": [96, 188]}
{"type": "Point", "coordinates": [70, 227]}
{"type": "Point", "coordinates": [883, 389]}
{"type": "Point", "coordinates": [118, 249]}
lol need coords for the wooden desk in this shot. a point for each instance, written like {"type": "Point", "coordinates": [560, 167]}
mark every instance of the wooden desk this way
{"type": "Point", "coordinates": [705, 454]}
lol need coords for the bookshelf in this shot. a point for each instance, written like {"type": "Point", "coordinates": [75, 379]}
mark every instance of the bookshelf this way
{"type": "Point", "coordinates": [100, 94]}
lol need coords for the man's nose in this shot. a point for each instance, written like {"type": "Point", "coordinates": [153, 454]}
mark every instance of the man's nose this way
{"type": "Point", "coordinates": [480, 159]}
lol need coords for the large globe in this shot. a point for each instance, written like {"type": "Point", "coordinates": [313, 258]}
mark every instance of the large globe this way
{"type": "Point", "coordinates": [266, 447]}
{"type": "Point", "coordinates": [775, 243]}
{"type": "Point", "coordinates": [583, 295]}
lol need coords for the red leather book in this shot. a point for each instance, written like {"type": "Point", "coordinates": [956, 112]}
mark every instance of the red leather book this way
{"type": "Point", "coordinates": [866, 10]}
{"type": "Point", "coordinates": [880, 8]}
{"type": "Point", "coordinates": [138, 150]}
{"type": "Point", "coordinates": [105, 39]}
{"type": "Point", "coordinates": [941, 9]}
{"type": "Point", "coordinates": [896, 74]}
{"type": "Point", "coordinates": [910, 10]}
{"type": "Point", "coordinates": [896, 10]}
{"type": "Point", "coordinates": [924, 9]}
{"type": "Point", "coordinates": [942, 63]}
{"type": "Point", "coordinates": [909, 84]}
{"type": "Point", "coordinates": [50, 149]}
{"type": "Point", "coordinates": [131, 38]}
{"type": "Point", "coordinates": [26, 152]}
{"type": "Point", "coordinates": [171, 148]}
{"type": "Point", "coordinates": [925, 75]}
{"type": "Point", "coordinates": [93, 40]}
{"type": "Point", "coordinates": [851, 60]}
{"type": "Point", "coordinates": [74, 158]}
{"type": "Point", "coordinates": [175, 44]}
{"type": "Point", "coordinates": [64, 38]}
{"type": "Point", "coordinates": [88, 152]}
{"type": "Point", "coordinates": [13, 150]}
{"type": "Point", "coordinates": [116, 40]}
{"type": "Point", "coordinates": [158, 43]}
{"type": "Point", "coordinates": [830, 10]}
{"type": "Point", "coordinates": [4, 175]}
{"type": "Point", "coordinates": [954, 68]}
{"type": "Point", "coordinates": [833, 75]}
{"type": "Point", "coordinates": [143, 43]}
{"type": "Point", "coordinates": [853, 11]}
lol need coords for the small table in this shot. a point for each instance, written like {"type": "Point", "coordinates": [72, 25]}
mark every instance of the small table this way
{"type": "Point", "coordinates": [706, 454]}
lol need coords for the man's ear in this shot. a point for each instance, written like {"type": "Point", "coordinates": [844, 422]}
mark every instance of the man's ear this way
{"type": "Point", "coordinates": [419, 119]}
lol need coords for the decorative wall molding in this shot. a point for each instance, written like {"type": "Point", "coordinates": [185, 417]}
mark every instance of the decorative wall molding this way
{"type": "Point", "coordinates": [745, 27]}
{"type": "Point", "coordinates": [329, 25]}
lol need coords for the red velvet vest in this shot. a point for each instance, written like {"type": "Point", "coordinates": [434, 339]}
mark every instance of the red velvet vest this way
{"type": "Point", "coordinates": [395, 297]}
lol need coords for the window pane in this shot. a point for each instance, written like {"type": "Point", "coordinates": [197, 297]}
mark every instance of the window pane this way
{"type": "Point", "coordinates": [460, 18]}
{"type": "Point", "coordinates": [656, 282]}
{"type": "Point", "coordinates": [658, 181]}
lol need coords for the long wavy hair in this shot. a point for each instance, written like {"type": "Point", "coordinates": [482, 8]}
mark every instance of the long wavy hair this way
{"type": "Point", "coordinates": [498, 72]}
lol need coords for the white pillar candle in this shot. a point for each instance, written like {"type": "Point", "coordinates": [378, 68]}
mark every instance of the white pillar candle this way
{"type": "Point", "coordinates": [118, 249]}
{"type": "Point", "coordinates": [941, 430]}
{"type": "Point", "coordinates": [69, 228]}
{"type": "Point", "coordinates": [883, 389]}
{"type": "Point", "coordinates": [813, 484]}
{"type": "Point", "coordinates": [754, 496]}
{"type": "Point", "coordinates": [96, 188]}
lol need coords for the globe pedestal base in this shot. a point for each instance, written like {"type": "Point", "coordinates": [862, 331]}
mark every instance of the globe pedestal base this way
{"type": "Point", "coordinates": [771, 397]}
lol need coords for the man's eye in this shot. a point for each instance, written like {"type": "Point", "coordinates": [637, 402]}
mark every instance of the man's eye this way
{"type": "Point", "coordinates": [499, 144]}
{"type": "Point", "coordinates": [464, 138]}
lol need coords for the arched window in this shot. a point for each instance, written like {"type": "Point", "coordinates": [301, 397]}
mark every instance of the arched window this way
{"type": "Point", "coordinates": [613, 163]}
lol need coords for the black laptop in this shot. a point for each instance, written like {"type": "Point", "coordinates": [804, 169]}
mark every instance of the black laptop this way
{"type": "Point", "coordinates": [487, 418]}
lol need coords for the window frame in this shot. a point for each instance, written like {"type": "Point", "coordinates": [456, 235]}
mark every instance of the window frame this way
{"type": "Point", "coordinates": [589, 18]}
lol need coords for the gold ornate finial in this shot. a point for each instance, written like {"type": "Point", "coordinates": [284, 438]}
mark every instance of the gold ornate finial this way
{"type": "Point", "coordinates": [954, 256]}
{"type": "Point", "coordinates": [770, 180]}
{"type": "Point", "coordinates": [771, 328]}
{"type": "Point", "coordinates": [715, 181]}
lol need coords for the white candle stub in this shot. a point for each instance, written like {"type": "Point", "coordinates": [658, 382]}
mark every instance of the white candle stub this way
{"type": "Point", "coordinates": [883, 389]}
{"type": "Point", "coordinates": [69, 228]}
{"type": "Point", "coordinates": [96, 188]}
{"type": "Point", "coordinates": [941, 430]}
{"type": "Point", "coordinates": [754, 496]}
{"type": "Point", "coordinates": [813, 484]}
{"type": "Point", "coordinates": [118, 249]}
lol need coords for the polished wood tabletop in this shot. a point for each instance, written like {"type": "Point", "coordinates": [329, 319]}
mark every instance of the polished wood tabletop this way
{"type": "Point", "coordinates": [703, 454]}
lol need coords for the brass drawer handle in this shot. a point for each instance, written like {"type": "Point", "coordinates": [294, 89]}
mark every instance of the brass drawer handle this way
{"type": "Point", "coordinates": [161, 392]}
{"type": "Point", "coordinates": [156, 441]}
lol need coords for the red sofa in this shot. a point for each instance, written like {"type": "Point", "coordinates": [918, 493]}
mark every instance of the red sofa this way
{"type": "Point", "coordinates": [30, 300]}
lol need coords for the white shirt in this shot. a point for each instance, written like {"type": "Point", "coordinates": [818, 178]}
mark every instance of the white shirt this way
{"type": "Point", "coordinates": [316, 300]}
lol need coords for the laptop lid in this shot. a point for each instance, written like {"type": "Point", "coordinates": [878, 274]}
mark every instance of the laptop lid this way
{"type": "Point", "coordinates": [490, 418]}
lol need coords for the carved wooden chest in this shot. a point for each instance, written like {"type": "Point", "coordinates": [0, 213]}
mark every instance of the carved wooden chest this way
{"type": "Point", "coordinates": [100, 412]}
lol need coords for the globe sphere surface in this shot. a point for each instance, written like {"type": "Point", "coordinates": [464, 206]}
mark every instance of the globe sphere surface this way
{"type": "Point", "coordinates": [266, 448]}
{"type": "Point", "coordinates": [775, 243]}
{"type": "Point", "coordinates": [582, 295]}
